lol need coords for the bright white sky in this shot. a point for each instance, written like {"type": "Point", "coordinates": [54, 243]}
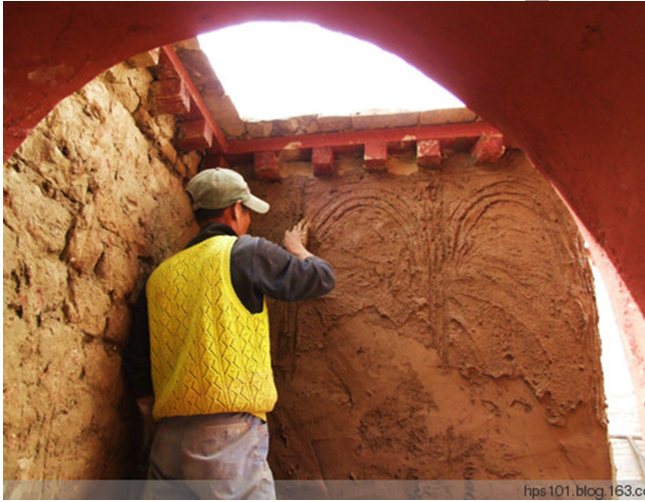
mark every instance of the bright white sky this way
{"type": "Point", "coordinates": [274, 70]}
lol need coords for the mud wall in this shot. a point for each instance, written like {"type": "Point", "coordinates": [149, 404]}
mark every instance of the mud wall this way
{"type": "Point", "coordinates": [92, 201]}
{"type": "Point", "coordinates": [459, 343]}
{"type": "Point", "coordinates": [461, 340]}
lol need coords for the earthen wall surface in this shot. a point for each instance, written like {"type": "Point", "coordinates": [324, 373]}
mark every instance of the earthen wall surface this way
{"type": "Point", "coordinates": [582, 79]}
{"type": "Point", "coordinates": [92, 201]}
{"type": "Point", "coordinates": [461, 340]}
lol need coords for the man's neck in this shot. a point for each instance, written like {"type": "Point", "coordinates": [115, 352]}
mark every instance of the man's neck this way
{"type": "Point", "coordinates": [216, 227]}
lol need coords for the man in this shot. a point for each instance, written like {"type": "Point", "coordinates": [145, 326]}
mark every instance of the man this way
{"type": "Point", "coordinates": [199, 361]}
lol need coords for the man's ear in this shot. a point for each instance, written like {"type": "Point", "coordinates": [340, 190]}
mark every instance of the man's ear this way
{"type": "Point", "coordinates": [237, 210]}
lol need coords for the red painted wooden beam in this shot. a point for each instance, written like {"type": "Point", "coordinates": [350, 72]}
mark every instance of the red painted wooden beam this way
{"type": "Point", "coordinates": [220, 145]}
{"type": "Point", "coordinates": [349, 138]}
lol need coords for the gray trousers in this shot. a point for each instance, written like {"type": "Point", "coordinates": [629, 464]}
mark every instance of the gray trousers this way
{"type": "Point", "coordinates": [221, 456]}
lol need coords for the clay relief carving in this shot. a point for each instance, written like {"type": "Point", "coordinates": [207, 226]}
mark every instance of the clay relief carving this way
{"type": "Point", "coordinates": [515, 283]}
{"type": "Point", "coordinates": [460, 331]}
{"type": "Point", "coordinates": [374, 234]}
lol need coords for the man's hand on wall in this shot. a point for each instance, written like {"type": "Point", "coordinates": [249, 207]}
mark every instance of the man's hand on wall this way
{"type": "Point", "coordinates": [295, 240]}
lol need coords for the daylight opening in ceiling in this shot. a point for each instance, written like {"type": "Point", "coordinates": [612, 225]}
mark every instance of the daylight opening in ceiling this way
{"type": "Point", "coordinates": [275, 70]}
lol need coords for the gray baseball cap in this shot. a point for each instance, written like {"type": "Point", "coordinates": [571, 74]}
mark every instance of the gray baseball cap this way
{"type": "Point", "coordinates": [219, 188]}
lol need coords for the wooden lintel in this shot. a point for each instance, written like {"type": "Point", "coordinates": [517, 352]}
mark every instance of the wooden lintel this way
{"type": "Point", "coordinates": [352, 138]}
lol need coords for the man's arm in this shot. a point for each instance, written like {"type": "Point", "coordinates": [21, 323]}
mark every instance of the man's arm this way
{"type": "Point", "coordinates": [136, 363]}
{"type": "Point", "coordinates": [294, 274]}
{"type": "Point", "coordinates": [263, 268]}
{"type": "Point", "coordinates": [136, 355]}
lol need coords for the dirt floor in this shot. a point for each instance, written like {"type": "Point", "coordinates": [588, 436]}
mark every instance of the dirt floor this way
{"type": "Point", "coordinates": [460, 342]}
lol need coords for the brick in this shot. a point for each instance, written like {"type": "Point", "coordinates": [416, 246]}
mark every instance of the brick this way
{"type": "Point", "coordinates": [260, 129]}
{"type": "Point", "coordinates": [447, 116]}
{"type": "Point", "coordinates": [266, 165]}
{"type": "Point", "coordinates": [333, 124]}
{"type": "Point", "coordinates": [225, 114]}
{"type": "Point", "coordinates": [428, 153]}
{"type": "Point", "coordinates": [322, 159]}
{"type": "Point", "coordinates": [361, 122]}
{"type": "Point", "coordinates": [375, 156]}
{"type": "Point", "coordinates": [384, 121]}
{"type": "Point", "coordinates": [489, 148]}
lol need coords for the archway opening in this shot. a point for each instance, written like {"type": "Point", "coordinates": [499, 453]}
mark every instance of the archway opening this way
{"type": "Point", "coordinates": [323, 445]}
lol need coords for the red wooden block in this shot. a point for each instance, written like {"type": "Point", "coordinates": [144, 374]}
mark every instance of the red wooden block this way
{"type": "Point", "coordinates": [375, 156]}
{"type": "Point", "coordinates": [195, 135]}
{"type": "Point", "coordinates": [170, 97]}
{"type": "Point", "coordinates": [489, 148]}
{"type": "Point", "coordinates": [266, 165]}
{"type": "Point", "coordinates": [428, 153]}
{"type": "Point", "coordinates": [322, 159]}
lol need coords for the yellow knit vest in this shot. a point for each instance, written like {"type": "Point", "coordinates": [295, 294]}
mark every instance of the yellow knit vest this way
{"type": "Point", "coordinates": [209, 353]}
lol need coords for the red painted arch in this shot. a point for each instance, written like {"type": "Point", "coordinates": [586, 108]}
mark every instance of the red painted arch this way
{"type": "Point", "coordinates": [564, 81]}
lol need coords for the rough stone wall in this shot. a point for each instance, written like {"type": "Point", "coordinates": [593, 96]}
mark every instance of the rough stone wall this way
{"type": "Point", "coordinates": [461, 340]}
{"type": "Point", "coordinates": [92, 201]}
